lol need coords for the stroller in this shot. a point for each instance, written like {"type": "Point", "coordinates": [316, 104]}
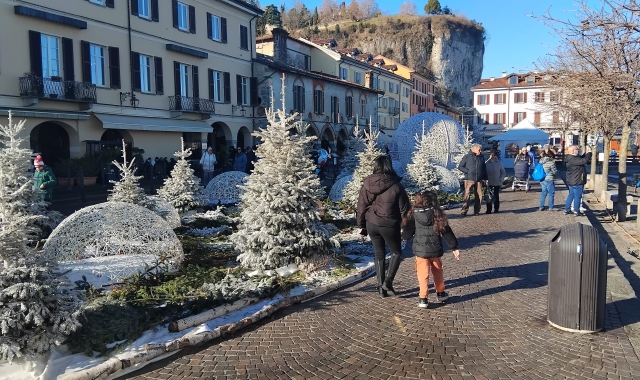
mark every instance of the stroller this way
{"type": "Point", "coordinates": [521, 177]}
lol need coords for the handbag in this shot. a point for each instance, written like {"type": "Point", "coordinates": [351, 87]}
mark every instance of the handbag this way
{"type": "Point", "coordinates": [487, 194]}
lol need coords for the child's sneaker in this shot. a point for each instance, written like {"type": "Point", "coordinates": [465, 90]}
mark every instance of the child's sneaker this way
{"type": "Point", "coordinates": [424, 302]}
{"type": "Point", "coordinates": [442, 296]}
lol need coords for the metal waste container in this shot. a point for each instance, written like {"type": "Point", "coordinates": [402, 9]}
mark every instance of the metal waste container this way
{"type": "Point", "coordinates": [577, 279]}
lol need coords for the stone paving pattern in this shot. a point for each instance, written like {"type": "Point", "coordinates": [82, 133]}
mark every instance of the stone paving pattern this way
{"type": "Point", "coordinates": [493, 327]}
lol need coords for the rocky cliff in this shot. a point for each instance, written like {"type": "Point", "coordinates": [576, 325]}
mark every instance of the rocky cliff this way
{"type": "Point", "coordinates": [445, 48]}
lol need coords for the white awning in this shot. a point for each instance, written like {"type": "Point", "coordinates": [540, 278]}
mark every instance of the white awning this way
{"type": "Point", "coordinates": [151, 124]}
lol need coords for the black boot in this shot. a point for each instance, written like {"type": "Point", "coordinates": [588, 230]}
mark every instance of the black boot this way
{"type": "Point", "coordinates": [394, 264]}
{"type": "Point", "coordinates": [380, 276]}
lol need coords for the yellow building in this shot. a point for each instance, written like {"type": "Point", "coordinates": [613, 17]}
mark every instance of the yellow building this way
{"type": "Point", "coordinates": [89, 72]}
{"type": "Point", "coordinates": [354, 66]}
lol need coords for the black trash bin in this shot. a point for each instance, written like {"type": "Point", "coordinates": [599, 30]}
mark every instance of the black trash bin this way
{"type": "Point", "coordinates": [577, 279]}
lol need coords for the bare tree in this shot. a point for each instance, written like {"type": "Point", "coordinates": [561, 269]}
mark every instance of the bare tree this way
{"type": "Point", "coordinates": [328, 10]}
{"type": "Point", "coordinates": [604, 44]}
{"type": "Point", "coordinates": [368, 8]}
{"type": "Point", "coordinates": [353, 10]}
{"type": "Point", "coordinates": [408, 8]}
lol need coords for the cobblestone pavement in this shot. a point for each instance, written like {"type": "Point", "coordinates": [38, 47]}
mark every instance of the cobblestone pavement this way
{"type": "Point", "coordinates": [494, 326]}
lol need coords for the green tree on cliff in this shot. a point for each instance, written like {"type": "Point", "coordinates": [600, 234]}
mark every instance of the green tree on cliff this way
{"type": "Point", "coordinates": [432, 7]}
{"type": "Point", "coordinates": [271, 16]}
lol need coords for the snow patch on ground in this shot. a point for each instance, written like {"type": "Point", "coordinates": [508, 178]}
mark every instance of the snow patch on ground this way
{"type": "Point", "coordinates": [207, 232]}
{"type": "Point", "coordinates": [98, 270]}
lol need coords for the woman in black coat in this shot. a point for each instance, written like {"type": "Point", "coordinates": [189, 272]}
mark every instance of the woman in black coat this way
{"type": "Point", "coordinates": [381, 204]}
{"type": "Point", "coordinates": [428, 225]}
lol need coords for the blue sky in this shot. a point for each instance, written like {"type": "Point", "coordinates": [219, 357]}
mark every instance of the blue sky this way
{"type": "Point", "coordinates": [515, 39]}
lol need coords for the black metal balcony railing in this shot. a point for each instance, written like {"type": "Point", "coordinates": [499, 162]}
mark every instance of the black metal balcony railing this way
{"type": "Point", "coordinates": [186, 104]}
{"type": "Point", "coordinates": [394, 110]}
{"type": "Point", "coordinates": [48, 88]}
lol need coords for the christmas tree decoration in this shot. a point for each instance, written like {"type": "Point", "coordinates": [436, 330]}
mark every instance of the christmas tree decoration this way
{"type": "Point", "coordinates": [128, 189]}
{"type": "Point", "coordinates": [280, 221]}
{"type": "Point", "coordinates": [421, 174]}
{"type": "Point", "coordinates": [464, 147]}
{"type": "Point", "coordinates": [350, 161]}
{"type": "Point", "coordinates": [448, 180]}
{"type": "Point", "coordinates": [366, 159]}
{"type": "Point", "coordinates": [226, 188]}
{"type": "Point", "coordinates": [37, 309]}
{"type": "Point", "coordinates": [337, 190]}
{"type": "Point", "coordinates": [183, 189]}
{"type": "Point", "coordinates": [116, 239]}
{"type": "Point", "coordinates": [166, 211]}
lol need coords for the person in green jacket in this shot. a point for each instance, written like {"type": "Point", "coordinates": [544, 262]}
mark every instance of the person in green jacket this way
{"type": "Point", "coordinates": [44, 179]}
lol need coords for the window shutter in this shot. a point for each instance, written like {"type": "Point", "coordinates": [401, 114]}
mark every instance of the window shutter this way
{"type": "Point", "coordinates": [35, 52]}
{"type": "Point", "coordinates": [209, 27]}
{"type": "Point", "coordinates": [227, 87]}
{"type": "Point", "coordinates": [174, 12]}
{"type": "Point", "coordinates": [524, 115]}
{"type": "Point", "coordinates": [253, 91]}
{"type": "Point", "coordinates": [196, 84]}
{"type": "Point", "coordinates": [495, 99]}
{"type": "Point", "coordinates": [303, 98]}
{"type": "Point", "coordinates": [315, 102]}
{"type": "Point", "coordinates": [504, 118]}
{"type": "Point", "coordinates": [296, 104]}
{"type": "Point", "coordinates": [109, 3]}
{"type": "Point", "coordinates": [223, 30]}
{"type": "Point", "coordinates": [159, 76]}
{"type": "Point", "coordinates": [495, 118]}
{"type": "Point", "coordinates": [525, 97]}
{"type": "Point", "coordinates": [478, 101]}
{"type": "Point", "coordinates": [488, 99]}
{"type": "Point", "coordinates": [134, 8]}
{"type": "Point", "coordinates": [211, 88]}
{"type": "Point", "coordinates": [244, 41]}
{"type": "Point", "coordinates": [322, 101]}
{"type": "Point", "coordinates": [85, 53]}
{"type": "Point", "coordinates": [192, 19]}
{"type": "Point", "coordinates": [135, 69]}
{"type": "Point", "coordinates": [176, 77]}
{"type": "Point", "coordinates": [515, 97]}
{"type": "Point", "coordinates": [67, 59]}
{"type": "Point", "coordinates": [114, 67]}
{"type": "Point", "coordinates": [238, 89]}
{"type": "Point", "coordinates": [155, 16]}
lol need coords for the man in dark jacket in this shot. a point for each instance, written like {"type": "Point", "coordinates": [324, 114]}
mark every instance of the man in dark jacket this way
{"type": "Point", "coordinates": [576, 178]}
{"type": "Point", "coordinates": [475, 173]}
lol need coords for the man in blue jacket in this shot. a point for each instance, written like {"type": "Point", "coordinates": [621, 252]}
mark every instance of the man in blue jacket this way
{"type": "Point", "coordinates": [240, 161]}
{"type": "Point", "coordinates": [475, 173]}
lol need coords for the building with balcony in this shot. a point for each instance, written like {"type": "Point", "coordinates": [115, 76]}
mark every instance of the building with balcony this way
{"type": "Point", "coordinates": [328, 106]}
{"type": "Point", "coordinates": [503, 102]}
{"type": "Point", "coordinates": [146, 71]}
{"type": "Point", "coordinates": [361, 68]}
{"type": "Point", "coordinates": [422, 96]}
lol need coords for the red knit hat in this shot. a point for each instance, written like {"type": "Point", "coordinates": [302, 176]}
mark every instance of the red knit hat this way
{"type": "Point", "coordinates": [38, 161]}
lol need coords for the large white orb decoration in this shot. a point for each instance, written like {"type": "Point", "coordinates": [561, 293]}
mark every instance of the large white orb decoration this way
{"type": "Point", "coordinates": [224, 187]}
{"type": "Point", "coordinates": [113, 240]}
{"type": "Point", "coordinates": [401, 170]}
{"type": "Point", "coordinates": [443, 135]}
{"type": "Point", "coordinates": [337, 190]}
{"type": "Point", "coordinates": [166, 211]}
{"type": "Point", "coordinates": [447, 180]}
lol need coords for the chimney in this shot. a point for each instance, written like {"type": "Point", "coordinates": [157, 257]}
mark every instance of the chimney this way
{"type": "Point", "coordinates": [504, 74]}
{"type": "Point", "coordinates": [492, 79]}
{"type": "Point", "coordinates": [280, 45]}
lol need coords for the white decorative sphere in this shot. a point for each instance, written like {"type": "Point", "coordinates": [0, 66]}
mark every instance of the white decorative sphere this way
{"type": "Point", "coordinates": [224, 187]}
{"type": "Point", "coordinates": [401, 170]}
{"type": "Point", "coordinates": [113, 240]}
{"type": "Point", "coordinates": [166, 211]}
{"type": "Point", "coordinates": [337, 190]}
{"type": "Point", "coordinates": [447, 180]}
{"type": "Point", "coordinates": [443, 134]}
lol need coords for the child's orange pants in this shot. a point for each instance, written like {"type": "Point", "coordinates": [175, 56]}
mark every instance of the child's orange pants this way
{"type": "Point", "coordinates": [422, 269]}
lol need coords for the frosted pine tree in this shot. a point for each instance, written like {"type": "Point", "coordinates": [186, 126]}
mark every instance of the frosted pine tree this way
{"type": "Point", "coordinates": [280, 222]}
{"type": "Point", "coordinates": [421, 174]}
{"type": "Point", "coordinates": [128, 189]}
{"type": "Point", "coordinates": [350, 160]}
{"type": "Point", "coordinates": [365, 164]}
{"type": "Point", "coordinates": [463, 149]}
{"type": "Point", "coordinates": [183, 189]}
{"type": "Point", "coordinates": [22, 200]}
{"type": "Point", "coordinates": [37, 310]}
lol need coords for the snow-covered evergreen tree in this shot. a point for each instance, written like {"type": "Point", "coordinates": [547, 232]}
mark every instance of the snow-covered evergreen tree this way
{"type": "Point", "coordinates": [26, 202]}
{"type": "Point", "coordinates": [36, 308]}
{"type": "Point", "coordinates": [350, 161]}
{"type": "Point", "coordinates": [183, 189]}
{"type": "Point", "coordinates": [421, 174]}
{"type": "Point", "coordinates": [463, 148]}
{"type": "Point", "coordinates": [280, 222]}
{"type": "Point", "coordinates": [365, 164]}
{"type": "Point", "coordinates": [128, 189]}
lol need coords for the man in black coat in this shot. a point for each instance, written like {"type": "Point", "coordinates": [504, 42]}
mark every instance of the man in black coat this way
{"type": "Point", "coordinates": [576, 178]}
{"type": "Point", "coordinates": [475, 173]}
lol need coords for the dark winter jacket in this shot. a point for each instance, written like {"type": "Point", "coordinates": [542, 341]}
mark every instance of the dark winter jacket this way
{"type": "Point", "coordinates": [427, 243]}
{"type": "Point", "coordinates": [240, 162]}
{"type": "Point", "coordinates": [382, 201]}
{"type": "Point", "coordinates": [495, 172]}
{"type": "Point", "coordinates": [576, 172]}
{"type": "Point", "coordinates": [473, 167]}
{"type": "Point", "coordinates": [46, 178]}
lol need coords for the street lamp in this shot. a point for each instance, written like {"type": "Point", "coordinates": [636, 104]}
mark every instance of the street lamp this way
{"type": "Point", "coordinates": [235, 108]}
{"type": "Point", "coordinates": [132, 99]}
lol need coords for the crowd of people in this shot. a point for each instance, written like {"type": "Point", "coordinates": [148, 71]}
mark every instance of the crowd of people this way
{"type": "Point", "coordinates": [242, 160]}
